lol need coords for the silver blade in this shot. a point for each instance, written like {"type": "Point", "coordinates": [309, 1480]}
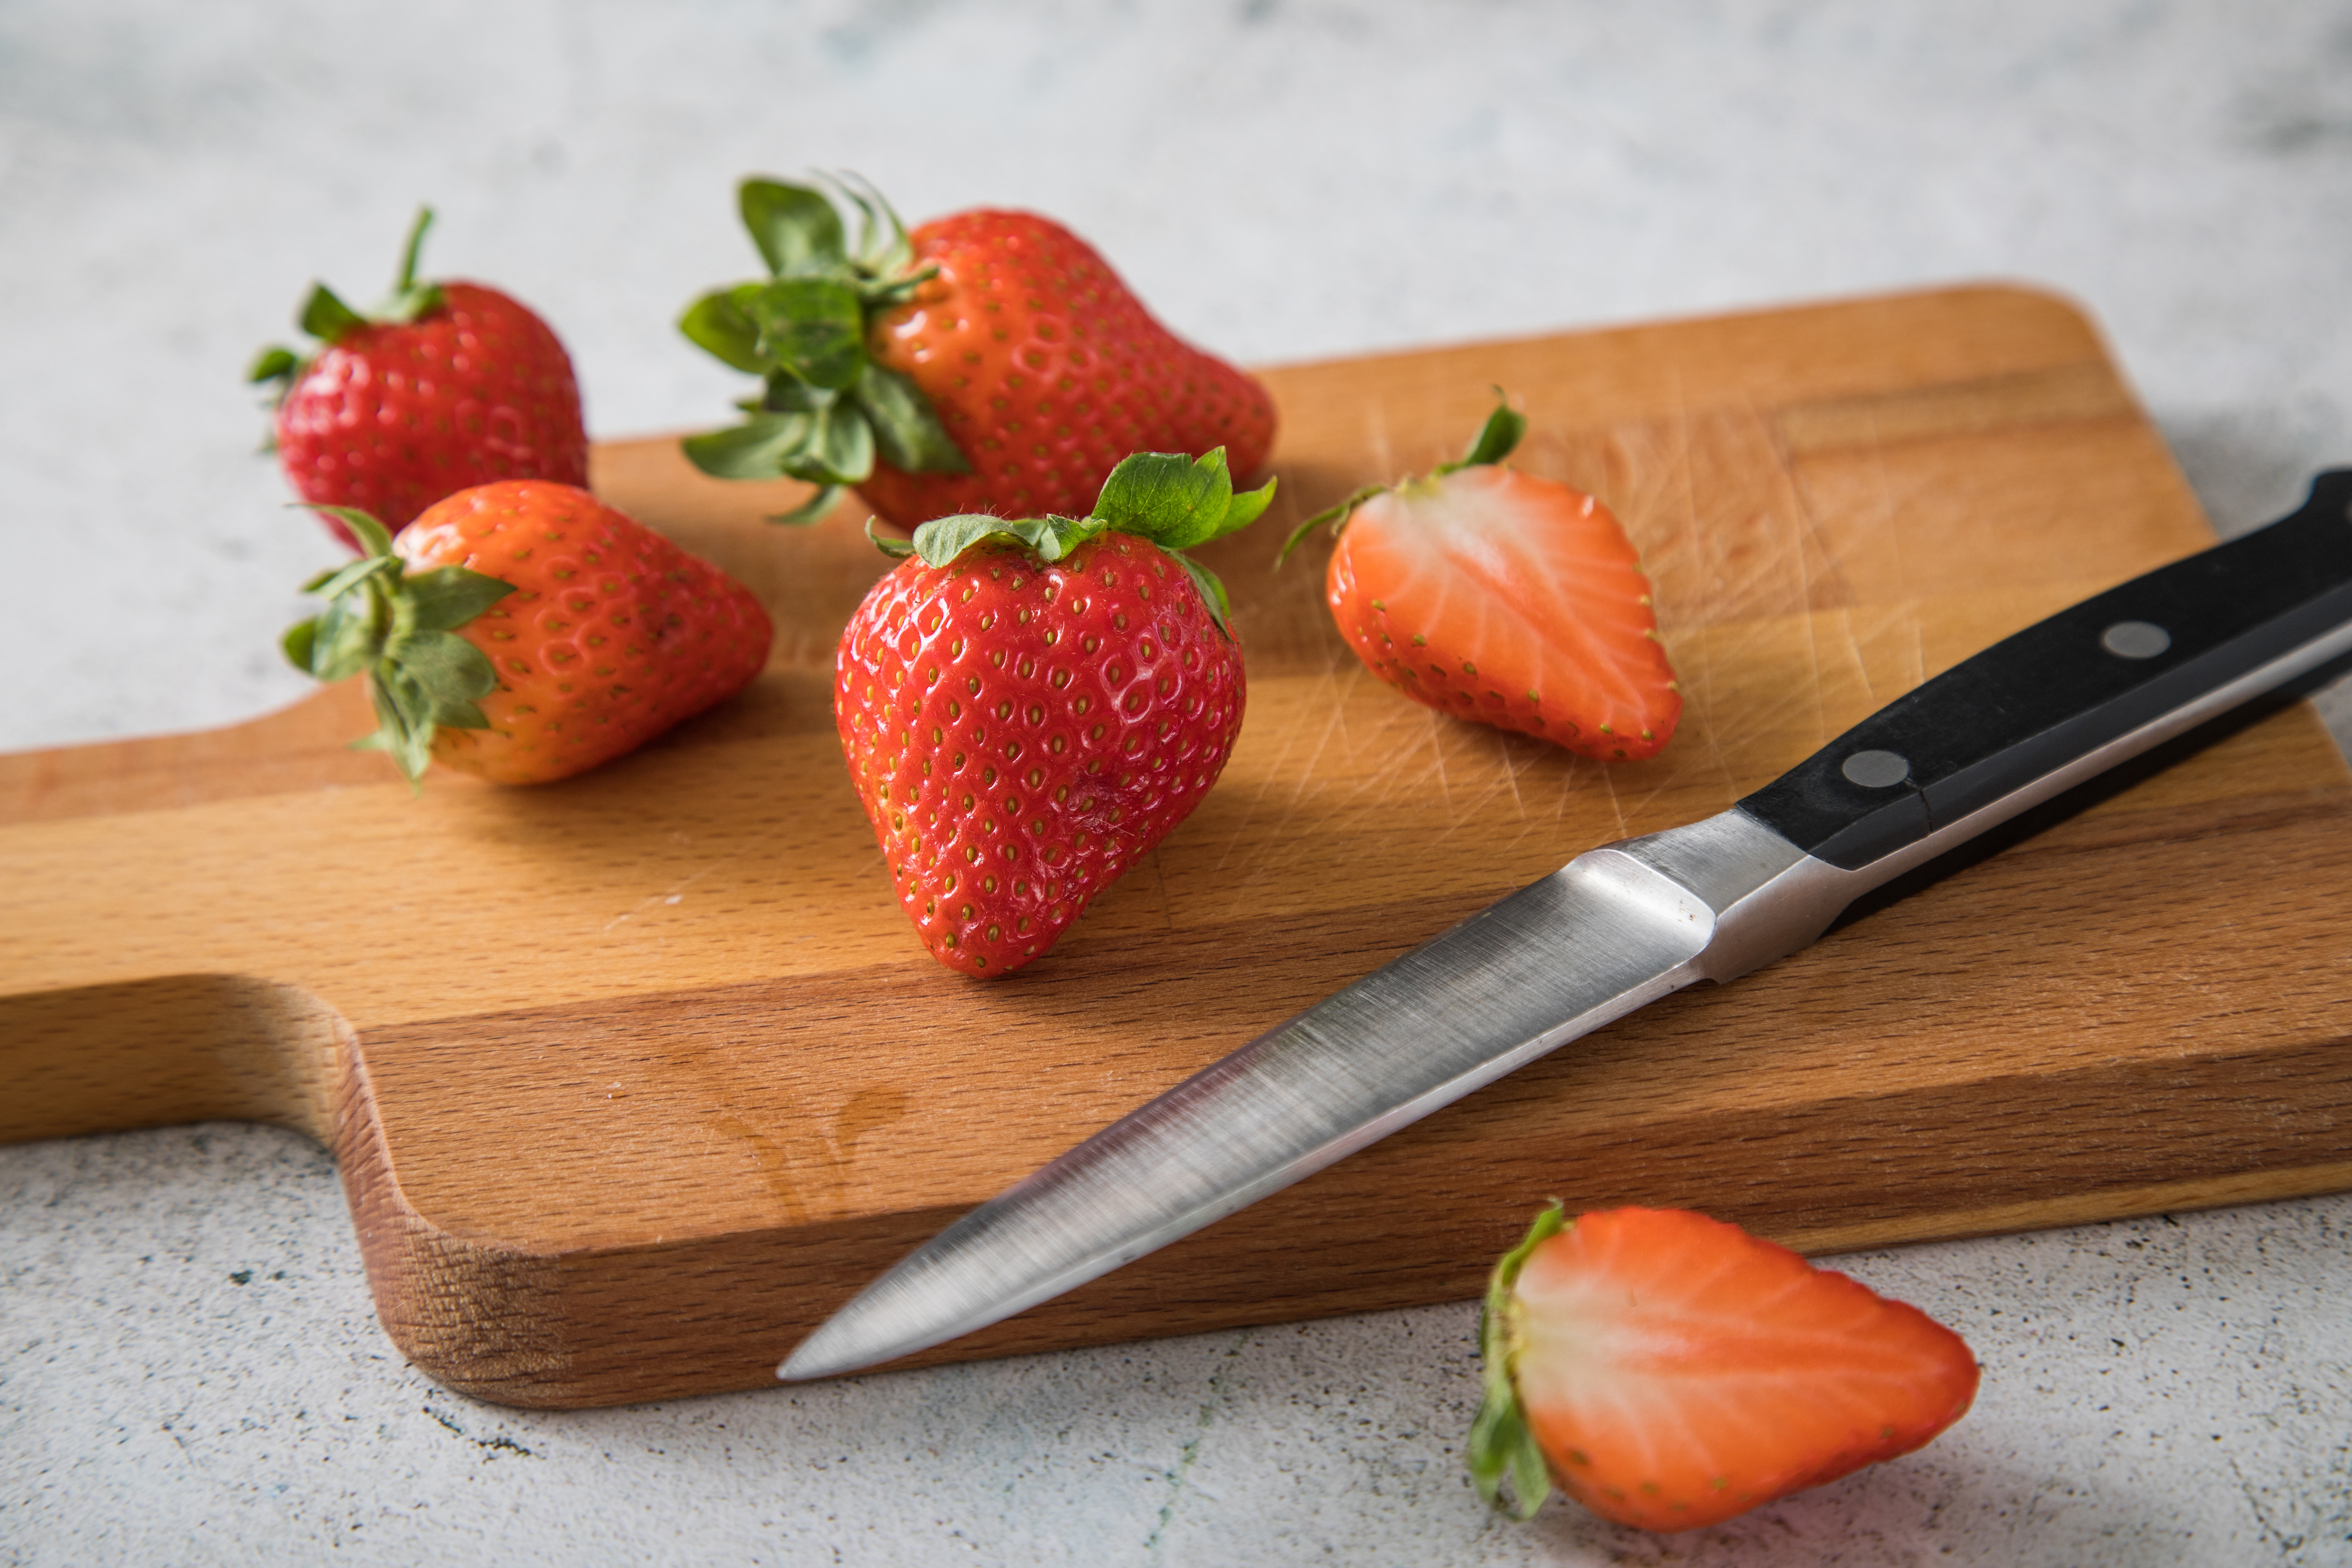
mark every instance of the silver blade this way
{"type": "Point", "coordinates": [1613, 931]}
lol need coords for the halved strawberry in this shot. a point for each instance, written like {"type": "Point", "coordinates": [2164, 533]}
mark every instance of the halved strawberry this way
{"type": "Point", "coordinates": [1670, 1371]}
{"type": "Point", "coordinates": [1494, 596]}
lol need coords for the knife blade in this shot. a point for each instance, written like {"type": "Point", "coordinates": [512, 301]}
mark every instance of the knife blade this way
{"type": "Point", "coordinates": [1618, 927]}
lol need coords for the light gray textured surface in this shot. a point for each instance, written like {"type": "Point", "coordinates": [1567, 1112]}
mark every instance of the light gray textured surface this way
{"type": "Point", "coordinates": [192, 1373]}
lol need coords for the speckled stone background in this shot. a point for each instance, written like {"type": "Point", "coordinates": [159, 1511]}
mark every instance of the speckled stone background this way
{"type": "Point", "coordinates": [190, 1371]}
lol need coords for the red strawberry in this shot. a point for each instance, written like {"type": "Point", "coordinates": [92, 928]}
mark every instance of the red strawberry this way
{"type": "Point", "coordinates": [525, 632]}
{"type": "Point", "coordinates": [991, 361]}
{"type": "Point", "coordinates": [447, 386]}
{"type": "Point", "coordinates": [1514, 601]}
{"type": "Point", "coordinates": [1669, 1371]}
{"type": "Point", "coordinates": [1027, 708]}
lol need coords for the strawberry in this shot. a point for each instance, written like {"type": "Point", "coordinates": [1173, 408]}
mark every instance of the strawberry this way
{"type": "Point", "coordinates": [1494, 596]}
{"type": "Point", "coordinates": [990, 361]}
{"type": "Point", "coordinates": [1670, 1371]}
{"type": "Point", "coordinates": [524, 631]}
{"type": "Point", "coordinates": [446, 385]}
{"type": "Point", "coordinates": [1027, 708]}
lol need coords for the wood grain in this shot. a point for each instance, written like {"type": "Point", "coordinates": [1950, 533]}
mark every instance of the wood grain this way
{"type": "Point", "coordinates": [632, 1079]}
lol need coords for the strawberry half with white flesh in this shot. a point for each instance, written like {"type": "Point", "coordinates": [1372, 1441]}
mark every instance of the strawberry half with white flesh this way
{"type": "Point", "coordinates": [1669, 1371]}
{"type": "Point", "coordinates": [1498, 596]}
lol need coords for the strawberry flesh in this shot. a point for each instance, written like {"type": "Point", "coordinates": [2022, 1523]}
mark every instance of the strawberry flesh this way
{"type": "Point", "coordinates": [1675, 1371]}
{"type": "Point", "coordinates": [1514, 601]}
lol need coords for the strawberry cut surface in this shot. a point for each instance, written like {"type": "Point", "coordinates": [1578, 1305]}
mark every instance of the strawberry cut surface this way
{"type": "Point", "coordinates": [1021, 733]}
{"type": "Point", "coordinates": [1511, 600]}
{"type": "Point", "coordinates": [1674, 1371]}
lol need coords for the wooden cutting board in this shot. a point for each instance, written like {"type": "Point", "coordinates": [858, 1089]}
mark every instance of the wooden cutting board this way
{"type": "Point", "coordinates": [634, 1078]}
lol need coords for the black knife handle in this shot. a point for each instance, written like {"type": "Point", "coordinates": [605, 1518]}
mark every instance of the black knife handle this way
{"type": "Point", "coordinates": [2063, 689]}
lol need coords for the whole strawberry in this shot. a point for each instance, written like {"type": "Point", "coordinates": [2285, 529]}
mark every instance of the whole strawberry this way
{"type": "Point", "coordinates": [1498, 596]}
{"type": "Point", "coordinates": [1028, 707]}
{"type": "Point", "coordinates": [444, 387]}
{"type": "Point", "coordinates": [991, 361]}
{"type": "Point", "coordinates": [524, 631]}
{"type": "Point", "coordinates": [1669, 1371]}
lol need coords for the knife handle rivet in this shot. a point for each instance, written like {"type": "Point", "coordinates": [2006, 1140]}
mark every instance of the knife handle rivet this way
{"type": "Point", "coordinates": [2135, 639]}
{"type": "Point", "coordinates": [1876, 769]}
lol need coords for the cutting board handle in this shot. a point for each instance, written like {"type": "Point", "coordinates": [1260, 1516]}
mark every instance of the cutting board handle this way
{"type": "Point", "coordinates": [2090, 686]}
{"type": "Point", "coordinates": [177, 1049]}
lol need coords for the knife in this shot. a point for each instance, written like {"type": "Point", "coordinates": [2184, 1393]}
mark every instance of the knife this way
{"type": "Point", "coordinates": [1622, 925]}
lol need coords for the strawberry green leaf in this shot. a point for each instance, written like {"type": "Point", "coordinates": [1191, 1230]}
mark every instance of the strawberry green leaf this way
{"type": "Point", "coordinates": [1169, 498]}
{"type": "Point", "coordinates": [1495, 439]}
{"type": "Point", "coordinates": [1245, 508]}
{"type": "Point", "coordinates": [1177, 502]}
{"type": "Point", "coordinates": [941, 539]}
{"type": "Point", "coordinates": [840, 449]}
{"type": "Point", "coordinates": [820, 501]}
{"type": "Point", "coordinates": [301, 641]}
{"type": "Point", "coordinates": [274, 363]}
{"type": "Point", "coordinates": [346, 638]}
{"type": "Point", "coordinates": [812, 327]}
{"type": "Point", "coordinates": [756, 449]}
{"type": "Point", "coordinates": [889, 544]}
{"type": "Point", "coordinates": [883, 246]}
{"type": "Point", "coordinates": [335, 585]}
{"type": "Point", "coordinates": [405, 724]}
{"type": "Point", "coordinates": [906, 434]}
{"type": "Point", "coordinates": [717, 325]}
{"type": "Point", "coordinates": [784, 395]}
{"type": "Point", "coordinates": [374, 539]}
{"type": "Point", "coordinates": [327, 318]}
{"type": "Point", "coordinates": [1500, 1442]}
{"type": "Point", "coordinates": [796, 228]}
{"type": "Point", "coordinates": [449, 596]}
{"type": "Point", "coordinates": [1213, 590]}
{"type": "Point", "coordinates": [448, 671]}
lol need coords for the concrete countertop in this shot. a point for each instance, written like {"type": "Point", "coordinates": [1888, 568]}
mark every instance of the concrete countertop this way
{"type": "Point", "coordinates": [190, 1370]}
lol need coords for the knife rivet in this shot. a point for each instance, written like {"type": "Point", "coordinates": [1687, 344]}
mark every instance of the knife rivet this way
{"type": "Point", "coordinates": [2135, 639]}
{"type": "Point", "coordinates": [1876, 769]}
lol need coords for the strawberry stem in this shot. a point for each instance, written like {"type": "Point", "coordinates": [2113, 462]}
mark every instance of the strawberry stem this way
{"type": "Point", "coordinates": [1500, 1441]}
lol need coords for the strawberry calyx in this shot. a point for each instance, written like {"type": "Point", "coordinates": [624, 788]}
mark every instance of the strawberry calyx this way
{"type": "Point", "coordinates": [1495, 440]}
{"type": "Point", "coordinates": [399, 628]}
{"type": "Point", "coordinates": [826, 412]}
{"type": "Point", "coordinates": [326, 318]}
{"type": "Point", "coordinates": [1500, 1441]}
{"type": "Point", "coordinates": [1169, 498]}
